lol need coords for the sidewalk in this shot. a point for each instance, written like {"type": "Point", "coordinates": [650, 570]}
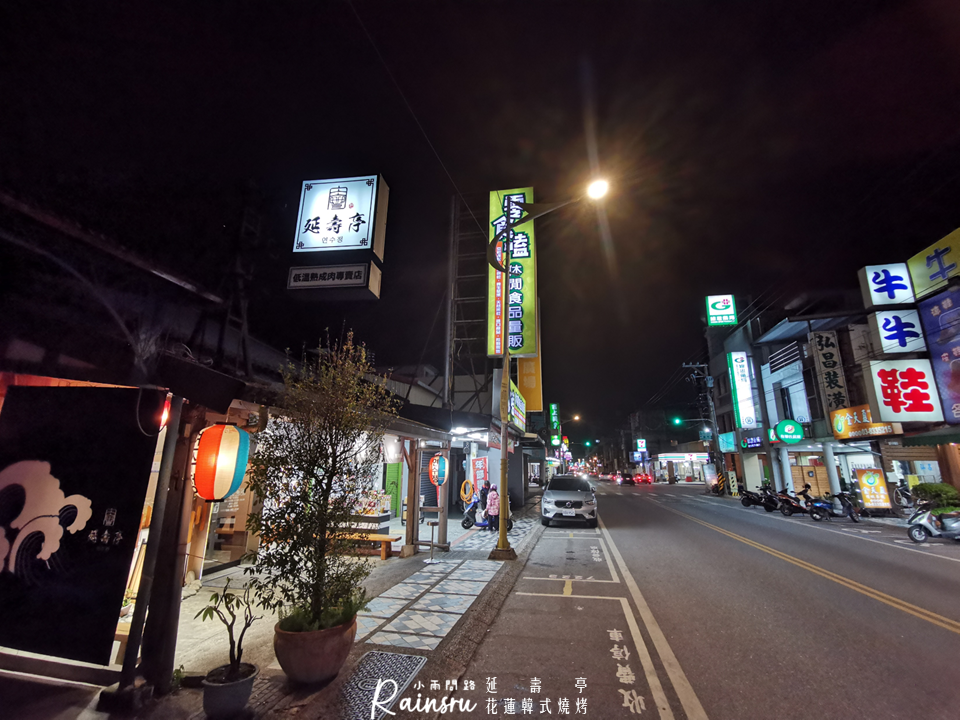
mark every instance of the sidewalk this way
{"type": "Point", "coordinates": [425, 620]}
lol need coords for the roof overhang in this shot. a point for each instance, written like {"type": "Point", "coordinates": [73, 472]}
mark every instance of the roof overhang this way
{"type": "Point", "coordinates": [940, 436]}
{"type": "Point", "coordinates": [797, 328]}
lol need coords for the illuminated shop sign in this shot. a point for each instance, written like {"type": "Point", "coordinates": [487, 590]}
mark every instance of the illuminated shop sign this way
{"type": "Point", "coordinates": [743, 407]}
{"type": "Point", "coordinates": [931, 268]}
{"type": "Point", "coordinates": [512, 301]}
{"type": "Point", "coordinates": [886, 285]}
{"type": "Point", "coordinates": [721, 310]}
{"type": "Point", "coordinates": [857, 422]}
{"type": "Point", "coordinates": [342, 214]}
{"type": "Point", "coordinates": [940, 316]}
{"type": "Point", "coordinates": [555, 424]}
{"type": "Point", "coordinates": [903, 390]}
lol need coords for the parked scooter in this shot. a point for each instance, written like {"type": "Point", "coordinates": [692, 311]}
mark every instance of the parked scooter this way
{"type": "Point", "coordinates": [748, 498]}
{"type": "Point", "coordinates": [792, 504]}
{"type": "Point", "coordinates": [824, 509]}
{"type": "Point", "coordinates": [768, 499]}
{"type": "Point", "coordinates": [470, 516]}
{"type": "Point", "coordinates": [924, 524]}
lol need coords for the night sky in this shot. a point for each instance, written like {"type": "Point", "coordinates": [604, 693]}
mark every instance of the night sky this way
{"type": "Point", "coordinates": [759, 148]}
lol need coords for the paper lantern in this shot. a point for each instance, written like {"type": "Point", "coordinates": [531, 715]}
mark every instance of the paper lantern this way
{"type": "Point", "coordinates": [438, 469]}
{"type": "Point", "coordinates": [221, 461]}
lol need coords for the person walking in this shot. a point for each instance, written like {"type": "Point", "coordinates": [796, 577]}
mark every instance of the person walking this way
{"type": "Point", "coordinates": [484, 491]}
{"type": "Point", "coordinates": [493, 509]}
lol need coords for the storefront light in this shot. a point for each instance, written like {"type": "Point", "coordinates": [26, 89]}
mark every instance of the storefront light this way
{"type": "Point", "coordinates": [222, 456]}
{"type": "Point", "coordinates": [392, 449]}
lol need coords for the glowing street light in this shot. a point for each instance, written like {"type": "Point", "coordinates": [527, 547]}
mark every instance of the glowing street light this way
{"type": "Point", "coordinates": [529, 212]}
{"type": "Point", "coordinates": [597, 189]}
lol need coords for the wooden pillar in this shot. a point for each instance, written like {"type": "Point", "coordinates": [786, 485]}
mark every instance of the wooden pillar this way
{"type": "Point", "coordinates": [412, 458]}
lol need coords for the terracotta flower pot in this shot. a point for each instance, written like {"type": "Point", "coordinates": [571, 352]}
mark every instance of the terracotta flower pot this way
{"type": "Point", "coordinates": [227, 700]}
{"type": "Point", "coordinates": [314, 657]}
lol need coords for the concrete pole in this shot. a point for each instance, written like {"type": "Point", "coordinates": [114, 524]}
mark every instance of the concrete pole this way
{"type": "Point", "coordinates": [831, 463]}
{"type": "Point", "coordinates": [786, 471]}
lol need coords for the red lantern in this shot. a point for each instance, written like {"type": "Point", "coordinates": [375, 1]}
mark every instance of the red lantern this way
{"type": "Point", "coordinates": [221, 461]}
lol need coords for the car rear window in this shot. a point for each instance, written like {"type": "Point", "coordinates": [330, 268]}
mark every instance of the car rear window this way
{"type": "Point", "coordinates": [568, 483]}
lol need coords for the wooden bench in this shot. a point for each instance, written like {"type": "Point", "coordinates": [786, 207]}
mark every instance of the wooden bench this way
{"type": "Point", "coordinates": [384, 541]}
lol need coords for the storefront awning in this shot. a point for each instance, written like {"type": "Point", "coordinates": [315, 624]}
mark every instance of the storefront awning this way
{"type": "Point", "coordinates": [941, 436]}
{"type": "Point", "coordinates": [796, 328]}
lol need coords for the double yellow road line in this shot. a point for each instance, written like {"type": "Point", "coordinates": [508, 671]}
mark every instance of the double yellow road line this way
{"type": "Point", "coordinates": [931, 617]}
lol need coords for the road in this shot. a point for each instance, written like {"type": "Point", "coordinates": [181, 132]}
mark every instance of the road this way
{"type": "Point", "coordinates": [688, 606]}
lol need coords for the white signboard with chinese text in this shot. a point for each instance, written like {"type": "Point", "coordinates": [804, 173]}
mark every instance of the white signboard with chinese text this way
{"type": "Point", "coordinates": [743, 407]}
{"type": "Point", "coordinates": [833, 385]}
{"type": "Point", "coordinates": [322, 277]}
{"type": "Point", "coordinates": [342, 214]}
{"type": "Point", "coordinates": [641, 445]}
{"type": "Point", "coordinates": [902, 391]}
{"type": "Point", "coordinates": [886, 285]}
{"type": "Point", "coordinates": [897, 331]}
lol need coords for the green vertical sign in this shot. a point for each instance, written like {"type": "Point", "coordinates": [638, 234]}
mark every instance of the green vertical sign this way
{"type": "Point", "coordinates": [512, 299]}
{"type": "Point", "coordinates": [554, 425]}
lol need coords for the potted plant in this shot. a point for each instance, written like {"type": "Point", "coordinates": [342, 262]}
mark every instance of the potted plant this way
{"type": "Point", "coordinates": [312, 469]}
{"type": "Point", "coordinates": [226, 689]}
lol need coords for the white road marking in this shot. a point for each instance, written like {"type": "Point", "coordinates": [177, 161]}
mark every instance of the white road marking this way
{"type": "Point", "coordinates": [688, 698]}
{"type": "Point", "coordinates": [649, 671]}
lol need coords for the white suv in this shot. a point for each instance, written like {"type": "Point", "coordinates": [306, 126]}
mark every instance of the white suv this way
{"type": "Point", "coordinates": [569, 497]}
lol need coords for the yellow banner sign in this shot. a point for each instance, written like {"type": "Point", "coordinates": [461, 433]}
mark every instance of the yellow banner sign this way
{"type": "Point", "coordinates": [856, 422]}
{"type": "Point", "coordinates": [873, 488]}
{"type": "Point", "coordinates": [931, 268]}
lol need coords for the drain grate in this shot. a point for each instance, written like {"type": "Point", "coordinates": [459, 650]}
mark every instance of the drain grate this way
{"type": "Point", "coordinates": [358, 692]}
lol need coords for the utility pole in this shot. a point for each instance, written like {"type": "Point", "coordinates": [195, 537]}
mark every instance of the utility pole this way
{"type": "Point", "coordinates": [701, 372]}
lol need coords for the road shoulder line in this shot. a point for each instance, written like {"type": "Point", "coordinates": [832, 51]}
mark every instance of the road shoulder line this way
{"type": "Point", "coordinates": [685, 692]}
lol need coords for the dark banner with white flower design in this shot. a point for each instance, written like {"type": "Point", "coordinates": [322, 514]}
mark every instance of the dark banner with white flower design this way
{"type": "Point", "coordinates": [74, 468]}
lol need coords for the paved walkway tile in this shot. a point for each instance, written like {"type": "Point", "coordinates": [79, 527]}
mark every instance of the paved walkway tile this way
{"type": "Point", "coordinates": [485, 564]}
{"type": "Point", "coordinates": [442, 566]}
{"type": "Point", "coordinates": [366, 624]}
{"type": "Point", "coordinates": [423, 623]}
{"type": "Point", "coordinates": [460, 587]}
{"type": "Point", "coordinates": [477, 575]}
{"type": "Point", "coordinates": [405, 591]}
{"type": "Point", "coordinates": [384, 607]}
{"type": "Point", "coordinates": [439, 602]}
{"type": "Point", "coordinates": [424, 577]}
{"type": "Point", "coordinates": [416, 642]}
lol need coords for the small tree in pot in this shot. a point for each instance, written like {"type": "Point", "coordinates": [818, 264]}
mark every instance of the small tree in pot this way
{"type": "Point", "coordinates": [226, 689]}
{"type": "Point", "coordinates": [312, 469]}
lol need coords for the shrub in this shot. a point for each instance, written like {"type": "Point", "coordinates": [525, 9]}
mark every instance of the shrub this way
{"type": "Point", "coordinates": [941, 494]}
{"type": "Point", "coordinates": [313, 468]}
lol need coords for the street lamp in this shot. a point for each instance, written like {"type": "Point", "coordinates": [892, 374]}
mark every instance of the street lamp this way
{"type": "Point", "coordinates": [596, 190]}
